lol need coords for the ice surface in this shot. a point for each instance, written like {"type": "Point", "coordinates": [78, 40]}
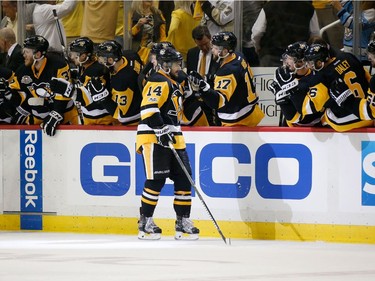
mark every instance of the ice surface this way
{"type": "Point", "coordinates": [41, 256]}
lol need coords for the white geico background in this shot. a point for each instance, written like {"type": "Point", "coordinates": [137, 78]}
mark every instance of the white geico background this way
{"type": "Point", "coordinates": [336, 184]}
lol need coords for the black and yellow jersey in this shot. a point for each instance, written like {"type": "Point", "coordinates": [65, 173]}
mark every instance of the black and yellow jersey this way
{"type": "Point", "coordinates": [307, 105]}
{"type": "Point", "coordinates": [161, 105]}
{"type": "Point", "coordinates": [347, 67]}
{"type": "Point", "coordinates": [125, 101]}
{"type": "Point", "coordinates": [192, 112]}
{"type": "Point", "coordinates": [93, 113]}
{"type": "Point", "coordinates": [7, 109]}
{"type": "Point", "coordinates": [234, 94]}
{"type": "Point", "coordinates": [32, 84]}
{"type": "Point", "coordinates": [364, 108]}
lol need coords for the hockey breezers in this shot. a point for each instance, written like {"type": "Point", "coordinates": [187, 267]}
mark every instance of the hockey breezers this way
{"type": "Point", "coordinates": [196, 190]}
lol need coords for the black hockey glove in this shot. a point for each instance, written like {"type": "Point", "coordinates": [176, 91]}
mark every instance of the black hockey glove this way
{"type": "Point", "coordinates": [50, 123]}
{"type": "Point", "coordinates": [181, 76]}
{"type": "Point", "coordinates": [62, 87]}
{"type": "Point", "coordinates": [281, 97]}
{"type": "Point", "coordinates": [197, 82]}
{"type": "Point", "coordinates": [340, 92]}
{"type": "Point", "coordinates": [164, 136]}
{"type": "Point", "coordinates": [286, 79]}
{"type": "Point", "coordinates": [97, 90]}
{"type": "Point", "coordinates": [74, 73]}
{"type": "Point", "coordinates": [20, 116]}
{"type": "Point", "coordinates": [5, 92]}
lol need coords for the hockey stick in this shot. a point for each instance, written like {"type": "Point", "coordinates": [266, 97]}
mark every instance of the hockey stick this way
{"type": "Point", "coordinates": [77, 104]}
{"type": "Point", "coordinates": [59, 32]}
{"type": "Point", "coordinates": [182, 165]}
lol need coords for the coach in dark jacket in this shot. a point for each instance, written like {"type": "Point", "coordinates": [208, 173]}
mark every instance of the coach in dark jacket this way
{"type": "Point", "coordinates": [200, 59]}
{"type": "Point", "coordinates": [12, 52]}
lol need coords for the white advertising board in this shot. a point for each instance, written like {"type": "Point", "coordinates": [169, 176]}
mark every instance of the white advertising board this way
{"type": "Point", "coordinates": [257, 175]}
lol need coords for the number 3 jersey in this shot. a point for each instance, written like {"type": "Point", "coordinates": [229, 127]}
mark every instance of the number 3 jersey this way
{"type": "Point", "coordinates": [124, 91]}
{"type": "Point", "coordinates": [161, 105]}
{"type": "Point", "coordinates": [234, 94]}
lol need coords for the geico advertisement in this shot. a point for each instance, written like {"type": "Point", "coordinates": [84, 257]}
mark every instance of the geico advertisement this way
{"type": "Point", "coordinates": [243, 176]}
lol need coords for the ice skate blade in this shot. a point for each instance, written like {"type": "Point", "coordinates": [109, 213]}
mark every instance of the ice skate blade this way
{"type": "Point", "coordinates": [185, 236]}
{"type": "Point", "coordinates": [148, 236]}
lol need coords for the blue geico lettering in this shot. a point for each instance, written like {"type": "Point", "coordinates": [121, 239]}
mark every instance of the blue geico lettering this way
{"type": "Point", "coordinates": [368, 173]}
{"type": "Point", "coordinates": [105, 169]}
{"type": "Point", "coordinates": [239, 187]}
{"type": "Point", "coordinates": [299, 152]}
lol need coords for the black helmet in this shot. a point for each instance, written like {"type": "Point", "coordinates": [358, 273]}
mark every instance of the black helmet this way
{"type": "Point", "coordinates": [297, 50]}
{"type": "Point", "coordinates": [225, 39]}
{"type": "Point", "coordinates": [371, 47]}
{"type": "Point", "coordinates": [82, 45]}
{"type": "Point", "coordinates": [110, 49]}
{"type": "Point", "coordinates": [37, 43]}
{"type": "Point", "coordinates": [316, 52]}
{"type": "Point", "coordinates": [161, 45]}
{"type": "Point", "coordinates": [168, 55]}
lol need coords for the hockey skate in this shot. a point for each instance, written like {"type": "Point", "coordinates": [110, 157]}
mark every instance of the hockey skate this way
{"type": "Point", "coordinates": [148, 230]}
{"type": "Point", "coordinates": [185, 229]}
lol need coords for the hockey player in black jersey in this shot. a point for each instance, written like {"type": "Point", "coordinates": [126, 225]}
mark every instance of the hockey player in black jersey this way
{"type": "Point", "coordinates": [300, 105]}
{"type": "Point", "coordinates": [348, 68]}
{"type": "Point", "coordinates": [81, 53]}
{"type": "Point", "coordinates": [152, 66]}
{"type": "Point", "coordinates": [161, 111]}
{"type": "Point", "coordinates": [233, 94]}
{"type": "Point", "coordinates": [121, 96]}
{"type": "Point", "coordinates": [193, 114]}
{"type": "Point", "coordinates": [363, 108]}
{"type": "Point", "coordinates": [31, 92]}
